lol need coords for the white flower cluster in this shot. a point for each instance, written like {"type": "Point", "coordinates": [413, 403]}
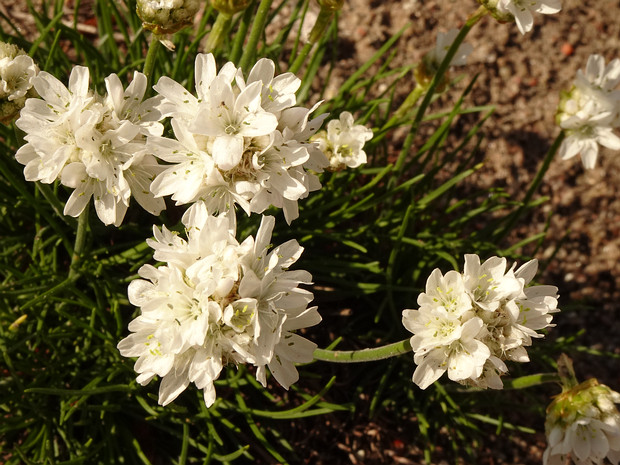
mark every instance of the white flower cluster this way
{"type": "Point", "coordinates": [17, 71]}
{"type": "Point", "coordinates": [590, 111]}
{"type": "Point", "coordinates": [237, 141]}
{"type": "Point", "coordinates": [583, 426]}
{"type": "Point", "coordinates": [469, 323]}
{"type": "Point", "coordinates": [94, 144]}
{"type": "Point", "coordinates": [343, 142]}
{"type": "Point", "coordinates": [521, 10]}
{"type": "Point", "coordinates": [216, 301]}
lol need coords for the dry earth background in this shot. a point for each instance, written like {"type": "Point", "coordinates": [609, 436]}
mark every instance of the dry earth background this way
{"type": "Point", "coordinates": [523, 77]}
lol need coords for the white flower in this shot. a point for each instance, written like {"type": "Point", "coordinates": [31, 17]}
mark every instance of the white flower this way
{"type": "Point", "coordinates": [216, 301]}
{"type": "Point", "coordinates": [17, 71]}
{"type": "Point", "coordinates": [469, 323]}
{"type": "Point", "coordinates": [344, 141]}
{"type": "Point", "coordinates": [522, 10]}
{"type": "Point", "coordinates": [588, 113]}
{"type": "Point", "coordinates": [583, 426]}
{"type": "Point", "coordinates": [238, 143]}
{"type": "Point", "coordinates": [93, 144]}
{"type": "Point", "coordinates": [444, 42]}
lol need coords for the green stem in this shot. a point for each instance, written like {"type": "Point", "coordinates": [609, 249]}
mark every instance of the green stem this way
{"type": "Point", "coordinates": [533, 187]}
{"type": "Point", "coordinates": [218, 31]}
{"type": "Point", "coordinates": [363, 355]}
{"type": "Point", "coordinates": [301, 58]}
{"type": "Point", "coordinates": [240, 35]}
{"type": "Point", "coordinates": [149, 62]}
{"type": "Point", "coordinates": [80, 242]}
{"type": "Point", "coordinates": [258, 27]}
{"type": "Point", "coordinates": [439, 75]}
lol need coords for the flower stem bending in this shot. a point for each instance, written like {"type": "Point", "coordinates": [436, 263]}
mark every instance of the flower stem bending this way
{"type": "Point", "coordinates": [363, 355]}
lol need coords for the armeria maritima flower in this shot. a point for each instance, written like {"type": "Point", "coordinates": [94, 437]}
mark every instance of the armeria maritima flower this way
{"type": "Point", "coordinates": [470, 323]}
{"type": "Point", "coordinates": [238, 142]}
{"type": "Point", "coordinates": [589, 112]}
{"type": "Point", "coordinates": [343, 142]}
{"type": "Point", "coordinates": [521, 10]}
{"type": "Point", "coordinates": [216, 301]}
{"type": "Point", "coordinates": [17, 71]}
{"type": "Point", "coordinates": [94, 144]}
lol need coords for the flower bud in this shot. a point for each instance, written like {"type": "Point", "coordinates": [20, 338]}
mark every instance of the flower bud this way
{"type": "Point", "coordinates": [230, 7]}
{"type": "Point", "coordinates": [583, 423]}
{"type": "Point", "coordinates": [167, 16]}
{"type": "Point", "coordinates": [17, 70]}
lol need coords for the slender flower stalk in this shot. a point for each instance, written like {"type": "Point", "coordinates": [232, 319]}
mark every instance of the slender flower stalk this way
{"type": "Point", "coordinates": [80, 242]}
{"type": "Point", "coordinates": [363, 355]}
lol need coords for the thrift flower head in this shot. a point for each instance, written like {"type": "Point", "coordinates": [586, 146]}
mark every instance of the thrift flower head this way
{"type": "Point", "coordinates": [94, 144]}
{"type": "Point", "coordinates": [167, 16]}
{"type": "Point", "coordinates": [520, 11]}
{"type": "Point", "coordinates": [469, 323]}
{"type": "Point", "coordinates": [583, 426]}
{"type": "Point", "coordinates": [17, 71]}
{"type": "Point", "coordinates": [588, 112]}
{"type": "Point", "coordinates": [237, 142]}
{"type": "Point", "coordinates": [343, 142]}
{"type": "Point", "coordinates": [427, 68]}
{"type": "Point", "coordinates": [216, 301]}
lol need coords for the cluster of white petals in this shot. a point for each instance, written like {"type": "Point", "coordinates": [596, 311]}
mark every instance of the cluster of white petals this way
{"type": "Point", "coordinates": [17, 71]}
{"type": "Point", "coordinates": [343, 142]}
{"type": "Point", "coordinates": [217, 301]}
{"type": "Point", "coordinates": [237, 141]}
{"type": "Point", "coordinates": [94, 144]}
{"type": "Point", "coordinates": [590, 111]}
{"type": "Point", "coordinates": [583, 426]}
{"type": "Point", "coordinates": [470, 323]}
{"type": "Point", "coordinates": [522, 10]}
{"type": "Point", "coordinates": [444, 41]}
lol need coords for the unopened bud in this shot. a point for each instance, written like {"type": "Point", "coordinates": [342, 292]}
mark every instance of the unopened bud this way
{"type": "Point", "coordinates": [167, 16]}
{"type": "Point", "coordinates": [17, 71]}
{"type": "Point", "coordinates": [230, 7]}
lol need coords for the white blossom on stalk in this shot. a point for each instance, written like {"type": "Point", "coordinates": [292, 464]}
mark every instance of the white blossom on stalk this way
{"type": "Point", "coordinates": [216, 301]}
{"type": "Point", "coordinates": [522, 10]}
{"type": "Point", "coordinates": [343, 142]}
{"type": "Point", "coordinates": [444, 41]}
{"type": "Point", "coordinates": [91, 143]}
{"type": "Point", "coordinates": [238, 142]}
{"type": "Point", "coordinates": [470, 323]}
{"type": "Point", "coordinates": [17, 71]}
{"type": "Point", "coordinates": [589, 112]}
{"type": "Point", "coordinates": [583, 426]}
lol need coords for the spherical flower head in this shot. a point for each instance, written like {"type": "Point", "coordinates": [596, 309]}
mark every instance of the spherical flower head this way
{"type": "Point", "coordinates": [230, 7]}
{"type": "Point", "coordinates": [520, 11]}
{"type": "Point", "coordinates": [17, 71]}
{"type": "Point", "coordinates": [588, 112]}
{"type": "Point", "coordinates": [238, 142]}
{"type": "Point", "coordinates": [93, 144]}
{"type": "Point", "coordinates": [216, 301]}
{"type": "Point", "coordinates": [469, 323]}
{"type": "Point", "coordinates": [343, 142]}
{"type": "Point", "coordinates": [167, 16]}
{"type": "Point", "coordinates": [583, 425]}
{"type": "Point", "coordinates": [427, 68]}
